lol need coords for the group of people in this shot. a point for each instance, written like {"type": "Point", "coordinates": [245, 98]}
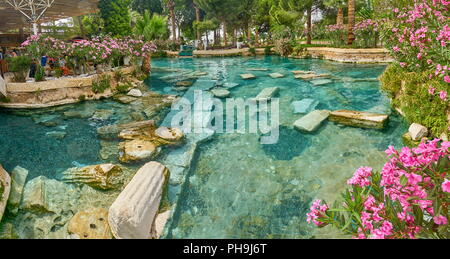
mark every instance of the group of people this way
{"type": "Point", "coordinates": [49, 64]}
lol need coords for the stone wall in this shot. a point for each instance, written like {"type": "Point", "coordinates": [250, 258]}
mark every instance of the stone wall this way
{"type": "Point", "coordinates": [56, 92]}
{"type": "Point", "coordinates": [351, 55]}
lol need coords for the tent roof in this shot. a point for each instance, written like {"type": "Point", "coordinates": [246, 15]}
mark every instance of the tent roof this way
{"type": "Point", "coordinates": [12, 19]}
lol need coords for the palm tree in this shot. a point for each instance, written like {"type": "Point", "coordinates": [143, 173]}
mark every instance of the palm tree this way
{"type": "Point", "coordinates": [150, 28]}
{"type": "Point", "coordinates": [339, 4]}
{"type": "Point", "coordinates": [351, 21]}
{"type": "Point", "coordinates": [171, 7]}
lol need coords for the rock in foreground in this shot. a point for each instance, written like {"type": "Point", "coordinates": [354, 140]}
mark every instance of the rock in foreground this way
{"type": "Point", "coordinates": [5, 188]}
{"type": "Point", "coordinates": [133, 213]}
{"type": "Point", "coordinates": [90, 224]}
{"type": "Point", "coordinates": [359, 119]}
{"type": "Point", "coordinates": [18, 178]}
{"type": "Point", "coordinates": [104, 177]}
{"type": "Point", "coordinates": [417, 131]}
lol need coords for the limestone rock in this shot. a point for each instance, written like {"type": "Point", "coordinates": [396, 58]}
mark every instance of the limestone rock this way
{"type": "Point", "coordinates": [125, 99]}
{"type": "Point", "coordinates": [304, 106]}
{"type": "Point", "coordinates": [248, 76]}
{"type": "Point", "coordinates": [266, 94]}
{"type": "Point", "coordinates": [135, 93]}
{"type": "Point", "coordinates": [160, 223]}
{"type": "Point", "coordinates": [298, 72]}
{"type": "Point", "coordinates": [43, 195]}
{"type": "Point", "coordinates": [319, 82]}
{"type": "Point", "coordinates": [408, 141]}
{"type": "Point", "coordinates": [184, 84]}
{"type": "Point", "coordinates": [276, 75]}
{"type": "Point", "coordinates": [56, 134]}
{"type": "Point", "coordinates": [257, 69]}
{"type": "Point", "coordinates": [230, 85]}
{"type": "Point", "coordinates": [18, 178]}
{"type": "Point", "coordinates": [417, 131]}
{"type": "Point", "coordinates": [90, 224]}
{"type": "Point", "coordinates": [359, 119]}
{"type": "Point", "coordinates": [104, 177]}
{"type": "Point", "coordinates": [5, 188]}
{"type": "Point", "coordinates": [136, 150]}
{"type": "Point", "coordinates": [112, 131]}
{"type": "Point", "coordinates": [102, 115]}
{"type": "Point", "coordinates": [133, 213]}
{"type": "Point", "coordinates": [220, 93]}
{"type": "Point", "coordinates": [311, 121]}
{"type": "Point", "coordinates": [170, 134]}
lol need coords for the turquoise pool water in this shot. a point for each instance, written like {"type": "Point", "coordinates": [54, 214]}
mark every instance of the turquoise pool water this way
{"type": "Point", "coordinates": [236, 188]}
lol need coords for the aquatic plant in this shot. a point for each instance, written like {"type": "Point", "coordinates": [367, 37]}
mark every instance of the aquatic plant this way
{"type": "Point", "coordinates": [409, 198]}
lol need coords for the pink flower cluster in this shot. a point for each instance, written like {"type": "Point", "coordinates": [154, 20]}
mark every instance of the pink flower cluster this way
{"type": "Point", "coordinates": [336, 27]}
{"type": "Point", "coordinates": [387, 204]}
{"type": "Point", "coordinates": [367, 25]}
{"type": "Point", "coordinates": [415, 189]}
{"type": "Point", "coordinates": [361, 177]}
{"type": "Point", "coordinates": [419, 35]}
{"type": "Point", "coordinates": [317, 211]}
{"type": "Point", "coordinates": [98, 50]}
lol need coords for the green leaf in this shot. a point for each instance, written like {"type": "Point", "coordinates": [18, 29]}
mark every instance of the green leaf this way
{"type": "Point", "coordinates": [403, 180]}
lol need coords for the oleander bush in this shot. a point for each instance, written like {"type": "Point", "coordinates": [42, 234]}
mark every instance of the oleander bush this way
{"type": "Point", "coordinates": [409, 198]}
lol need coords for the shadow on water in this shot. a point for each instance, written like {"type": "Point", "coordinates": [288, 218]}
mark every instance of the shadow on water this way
{"type": "Point", "coordinates": [291, 143]}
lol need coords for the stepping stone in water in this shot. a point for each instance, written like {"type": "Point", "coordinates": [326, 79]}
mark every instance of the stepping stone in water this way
{"type": "Point", "coordinates": [230, 85]}
{"type": "Point", "coordinates": [196, 74]}
{"type": "Point", "coordinates": [320, 82]}
{"type": "Point", "coordinates": [298, 72]}
{"type": "Point", "coordinates": [359, 119]}
{"type": "Point", "coordinates": [266, 94]}
{"type": "Point", "coordinates": [311, 121]}
{"type": "Point", "coordinates": [304, 106]}
{"type": "Point", "coordinates": [257, 69]}
{"type": "Point", "coordinates": [276, 75]}
{"type": "Point", "coordinates": [248, 76]}
{"type": "Point", "coordinates": [305, 76]}
{"type": "Point", "coordinates": [220, 93]}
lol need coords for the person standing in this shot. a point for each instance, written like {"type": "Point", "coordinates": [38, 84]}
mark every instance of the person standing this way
{"type": "Point", "coordinates": [44, 60]}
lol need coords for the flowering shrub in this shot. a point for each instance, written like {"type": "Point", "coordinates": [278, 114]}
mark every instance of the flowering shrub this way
{"type": "Point", "coordinates": [367, 33]}
{"type": "Point", "coordinates": [408, 199]}
{"type": "Point", "coordinates": [337, 34]}
{"type": "Point", "coordinates": [99, 50]}
{"type": "Point", "coordinates": [418, 37]}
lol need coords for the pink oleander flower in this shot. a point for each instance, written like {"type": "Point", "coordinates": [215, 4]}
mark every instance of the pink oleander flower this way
{"type": "Point", "coordinates": [431, 90]}
{"type": "Point", "coordinates": [361, 177]}
{"type": "Point", "coordinates": [443, 95]}
{"type": "Point", "coordinates": [447, 79]}
{"type": "Point", "coordinates": [440, 220]}
{"type": "Point", "coordinates": [446, 186]}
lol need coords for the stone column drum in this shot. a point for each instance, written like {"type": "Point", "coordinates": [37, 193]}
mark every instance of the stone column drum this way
{"type": "Point", "coordinates": [132, 214]}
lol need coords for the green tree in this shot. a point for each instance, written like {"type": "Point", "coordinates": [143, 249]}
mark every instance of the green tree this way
{"type": "Point", "coordinates": [92, 24]}
{"type": "Point", "coordinates": [225, 11]}
{"type": "Point", "coordinates": [153, 6]}
{"type": "Point", "coordinates": [151, 27]}
{"type": "Point", "coordinates": [340, 5]}
{"type": "Point", "coordinates": [116, 16]}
